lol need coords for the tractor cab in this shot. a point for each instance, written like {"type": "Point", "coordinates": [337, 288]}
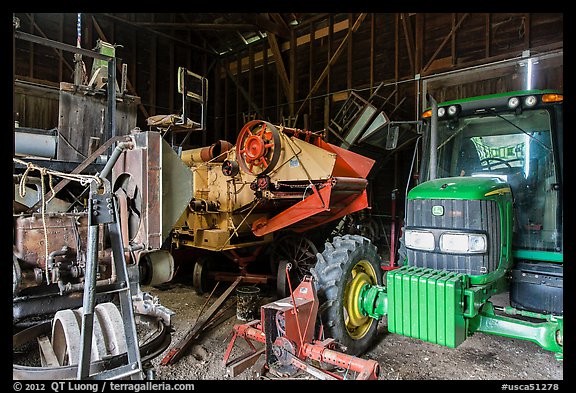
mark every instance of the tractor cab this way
{"type": "Point", "coordinates": [516, 137]}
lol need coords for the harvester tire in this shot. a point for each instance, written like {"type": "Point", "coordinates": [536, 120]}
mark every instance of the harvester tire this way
{"type": "Point", "coordinates": [347, 261]}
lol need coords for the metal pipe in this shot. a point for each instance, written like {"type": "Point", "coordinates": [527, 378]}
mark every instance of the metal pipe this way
{"type": "Point", "coordinates": [89, 296]}
{"type": "Point", "coordinates": [433, 139]}
{"type": "Point", "coordinates": [120, 147]}
{"type": "Point", "coordinates": [35, 144]}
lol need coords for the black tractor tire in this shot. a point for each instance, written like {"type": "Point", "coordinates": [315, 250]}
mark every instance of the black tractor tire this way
{"type": "Point", "coordinates": [334, 270]}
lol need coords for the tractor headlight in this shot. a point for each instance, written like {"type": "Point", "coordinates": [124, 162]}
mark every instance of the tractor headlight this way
{"type": "Point", "coordinates": [441, 112]}
{"type": "Point", "coordinates": [463, 243]}
{"type": "Point", "coordinates": [452, 110]}
{"type": "Point", "coordinates": [419, 240]}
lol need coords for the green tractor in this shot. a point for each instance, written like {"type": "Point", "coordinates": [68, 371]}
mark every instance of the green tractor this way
{"type": "Point", "coordinates": [487, 219]}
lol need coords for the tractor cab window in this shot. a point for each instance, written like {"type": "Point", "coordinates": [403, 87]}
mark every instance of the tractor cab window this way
{"type": "Point", "coordinates": [517, 148]}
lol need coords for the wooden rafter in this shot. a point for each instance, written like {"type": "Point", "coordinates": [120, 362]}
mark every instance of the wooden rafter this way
{"type": "Point", "coordinates": [332, 60]}
{"type": "Point", "coordinates": [407, 26]}
{"type": "Point", "coordinates": [244, 93]}
{"type": "Point", "coordinates": [59, 52]}
{"type": "Point", "coordinates": [158, 33]}
{"type": "Point", "coordinates": [454, 29]}
{"type": "Point", "coordinates": [199, 26]}
{"type": "Point", "coordinates": [279, 64]}
{"type": "Point", "coordinates": [264, 23]}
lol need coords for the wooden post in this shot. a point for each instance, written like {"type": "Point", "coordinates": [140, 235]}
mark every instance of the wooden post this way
{"type": "Point", "coordinates": [61, 38]}
{"type": "Point", "coordinates": [31, 62]}
{"type": "Point", "coordinates": [407, 25]}
{"type": "Point", "coordinates": [217, 101]}
{"type": "Point", "coordinates": [251, 71]}
{"type": "Point", "coordinates": [152, 87]}
{"type": "Point", "coordinates": [238, 84]}
{"type": "Point", "coordinates": [419, 42]}
{"type": "Point", "coordinates": [172, 81]}
{"type": "Point", "coordinates": [311, 71]}
{"type": "Point", "coordinates": [264, 76]}
{"type": "Point", "coordinates": [350, 55]}
{"type": "Point", "coordinates": [453, 46]}
{"type": "Point", "coordinates": [276, 52]}
{"type": "Point", "coordinates": [226, 105]}
{"type": "Point", "coordinates": [487, 36]}
{"type": "Point", "coordinates": [396, 51]}
{"type": "Point", "coordinates": [293, 79]}
{"type": "Point", "coordinates": [372, 31]}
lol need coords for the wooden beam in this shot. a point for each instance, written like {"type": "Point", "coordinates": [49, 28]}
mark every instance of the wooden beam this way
{"type": "Point", "coordinates": [526, 22]}
{"type": "Point", "coordinates": [372, 31]}
{"type": "Point", "coordinates": [226, 105]}
{"type": "Point", "coordinates": [34, 25]}
{"type": "Point", "coordinates": [407, 25]}
{"type": "Point", "coordinates": [396, 45]}
{"type": "Point", "coordinates": [445, 41]}
{"type": "Point", "coordinates": [332, 60]}
{"type": "Point", "coordinates": [293, 79]}
{"type": "Point", "coordinates": [487, 35]}
{"type": "Point", "coordinates": [119, 66]}
{"type": "Point", "coordinates": [31, 59]}
{"type": "Point", "coordinates": [262, 21]}
{"type": "Point", "coordinates": [61, 38]}
{"type": "Point", "coordinates": [453, 44]}
{"type": "Point", "coordinates": [238, 81]}
{"type": "Point", "coordinates": [244, 93]}
{"type": "Point", "coordinates": [171, 78]}
{"type": "Point", "coordinates": [279, 65]}
{"type": "Point", "coordinates": [160, 34]}
{"type": "Point", "coordinates": [419, 43]}
{"type": "Point", "coordinates": [350, 57]}
{"type": "Point", "coordinates": [251, 71]}
{"type": "Point", "coordinates": [311, 70]}
{"type": "Point", "coordinates": [280, 21]}
{"type": "Point", "coordinates": [200, 26]}
{"type": "Point", "coordinates": [152, 88]}
{"type": "Point", "coordinates": [264, 76]}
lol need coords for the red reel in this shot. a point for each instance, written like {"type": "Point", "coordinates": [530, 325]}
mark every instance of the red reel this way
{"type": "Point", "coordinates": [258, 147]}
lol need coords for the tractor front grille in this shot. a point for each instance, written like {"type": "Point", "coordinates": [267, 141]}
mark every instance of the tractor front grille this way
{"type": "Point", "coordinates": [459, 215]}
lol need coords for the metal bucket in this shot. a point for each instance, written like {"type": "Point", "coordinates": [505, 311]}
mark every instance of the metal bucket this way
{"type": "Point", "coordinates": [247, 303]}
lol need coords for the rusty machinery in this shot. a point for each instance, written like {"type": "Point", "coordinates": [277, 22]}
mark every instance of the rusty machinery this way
{"type": "Point", "coordinates": [76, 281]}
{"type": "Point", "coordinates": [287, 328]}
{"type": "Point", "coordinates": [234, 200]}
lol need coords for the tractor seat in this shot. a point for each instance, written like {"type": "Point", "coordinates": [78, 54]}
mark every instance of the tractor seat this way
{"type": "Point", "coordinates": [172, 122]}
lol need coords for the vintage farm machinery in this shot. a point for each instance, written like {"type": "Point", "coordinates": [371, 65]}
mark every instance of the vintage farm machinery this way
{"type": "Point", "coordinates": [287, 327]}
{"type": "Point", "coordinates": [76, 276]}
{"type": "Point", "coordinates": [237, 201]}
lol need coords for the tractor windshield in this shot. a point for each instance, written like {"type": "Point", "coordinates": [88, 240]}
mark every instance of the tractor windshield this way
{"type": "Point", "coordinates": [516, 147]}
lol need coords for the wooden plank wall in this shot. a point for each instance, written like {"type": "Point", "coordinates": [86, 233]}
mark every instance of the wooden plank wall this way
{"type": "Point", "coordinates": [390, 48]}
{"type": "Point", "coordinates": [387, 47]}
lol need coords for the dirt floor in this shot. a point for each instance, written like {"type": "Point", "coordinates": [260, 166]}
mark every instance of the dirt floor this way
{"type": "Point", "coordinates": [481, 357]}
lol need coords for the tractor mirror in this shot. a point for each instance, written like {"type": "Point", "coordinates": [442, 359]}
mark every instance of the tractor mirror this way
{"type": "Point", "coordinates": [392, 137]}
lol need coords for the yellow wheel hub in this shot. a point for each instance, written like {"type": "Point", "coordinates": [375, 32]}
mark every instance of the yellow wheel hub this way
{"type": "Point", "coordinates": [358, 324]}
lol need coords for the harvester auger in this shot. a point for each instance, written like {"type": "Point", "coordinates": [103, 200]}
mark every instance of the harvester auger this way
{"type": "Point", "coordinates": [275, 183]}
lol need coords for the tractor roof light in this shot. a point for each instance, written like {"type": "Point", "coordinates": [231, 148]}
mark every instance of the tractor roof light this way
{"type": "Point", "coordinates": [513, 102]}
{"type": "Point", "coordinates": [530, 101]}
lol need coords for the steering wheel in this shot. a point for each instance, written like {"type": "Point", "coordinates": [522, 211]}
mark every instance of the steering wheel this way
{"type": "Point", "coordinates": [500, 161]}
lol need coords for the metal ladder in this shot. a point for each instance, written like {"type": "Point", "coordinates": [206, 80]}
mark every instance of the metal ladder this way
{"type": "Point", "coordinates": [102, 209]}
